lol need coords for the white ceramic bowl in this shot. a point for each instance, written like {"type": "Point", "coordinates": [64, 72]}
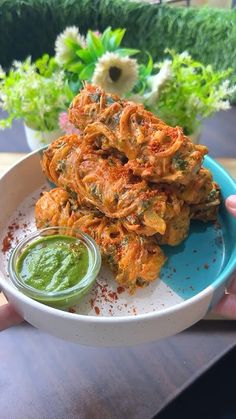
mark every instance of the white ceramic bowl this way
{"type": "Point", "coordinates": [193, 279]}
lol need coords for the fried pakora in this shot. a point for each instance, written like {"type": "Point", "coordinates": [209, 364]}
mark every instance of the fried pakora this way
{"type": "Point", "coordinates": [101, 181]}
{"type": "Point", "coordinates": [118, 246]}
{"type": "Point", "coordinates": [155, 151]}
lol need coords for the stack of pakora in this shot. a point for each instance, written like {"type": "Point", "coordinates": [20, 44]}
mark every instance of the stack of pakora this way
{"type": "Point", "coordinates": [129, 180]}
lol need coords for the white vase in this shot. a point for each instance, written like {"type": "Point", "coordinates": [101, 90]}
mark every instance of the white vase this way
{"type": "Point", "coordinates": [196, 135]}
{"type": "Point", "coordinates": [37, 139]}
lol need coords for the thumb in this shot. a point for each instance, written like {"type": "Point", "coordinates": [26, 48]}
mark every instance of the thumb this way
{"type": "Point", "coordinates": [8, 317]}
{"type": "Point", "coordinates": [230, 204]}
{"type": "Point", "coordinates": [226, 307]}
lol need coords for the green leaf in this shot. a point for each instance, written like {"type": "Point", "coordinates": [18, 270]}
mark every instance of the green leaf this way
{"type": "Point", "coordinates": [124, 52]}
{"type": "Point", "coordinates": [74, 85]}
{"type": "Point", "coordinates": [69, 92]}
{"type": "Point", "coordinates": [85, 55]}
{"type": "Point", "coordinates": [87, 72]}
{"type": "Point", "coordinates": [94, 44]}
{"type": "Point", "coordinates": [30, 93]}
{"type": "Point", "coordinates": [116, 37]}
{"type": "Point", "coordinates": [75, 68]}
{"type": "Point", "coordinates": [106, 37]}
{"type": "Point", "coordinates": [46, 65]}
{"type": "Point", "coordinates": [149, 66]}
{"type": "Point", "coordinates": [146, 70]}
{"type": "Point", "coordinates": [72, 44]}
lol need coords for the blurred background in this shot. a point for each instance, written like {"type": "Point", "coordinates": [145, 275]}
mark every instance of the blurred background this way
{"type": "Point", "coordinates": [206, 29]}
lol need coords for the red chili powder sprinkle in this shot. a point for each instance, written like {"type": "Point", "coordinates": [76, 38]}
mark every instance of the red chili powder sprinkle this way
{"type": "Point", "coordinates": [120, 290]}
{"type": "Point", "coordinates": [6, 243]}
{"type": "Point", "coordinates": [92, 303]}
{"type": "Point", "coordinates": [97, 310]}
{"type": "Point", "coordinates": [206, 266]}
{"type": "Point", "coordinates": [13, 226]}
{"type": "Point", "coordinates": [71, 310]}
{"type": "Point", "coordinates": [112, 295]}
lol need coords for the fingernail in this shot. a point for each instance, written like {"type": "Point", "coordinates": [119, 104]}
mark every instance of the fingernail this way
{"type": "Point", "coordinates": [231, 201]}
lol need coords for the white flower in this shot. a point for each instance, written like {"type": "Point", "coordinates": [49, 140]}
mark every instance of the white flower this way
{"type": "Point", "coordinates": [222, 105]}
{"type": "Point", "coordinates": [115, 74]}
{"type": "Point", "coordinates": [17, 64]}
{"type": "Point", "coordinates": [156, 83]}
{"type": "Point", "coordinates": [65, 52]}
{"type": "Point", "coordinates": [194, 103]}
{"type": "Point", "coordinates": [184, 55]}
{"type": "Point", "coordinates": [2, 73]}
{"type": "Point", "coordinates": [3, 99]}
{"type": "Point", "coordinates": [226, 89]}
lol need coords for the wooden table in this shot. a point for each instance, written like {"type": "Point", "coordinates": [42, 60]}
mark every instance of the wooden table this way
{"type": "Point", "coordinates": [42, 377]}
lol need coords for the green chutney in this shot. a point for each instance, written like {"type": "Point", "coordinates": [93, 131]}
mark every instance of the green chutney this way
{"type": "Point", "coordinates": [53, 263]}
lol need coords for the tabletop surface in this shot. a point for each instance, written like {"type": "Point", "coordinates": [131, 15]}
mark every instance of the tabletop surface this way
{"type": "Point", "coordinates": [56, 379]}
{"type": "Point", "coordinates": [43, 377]}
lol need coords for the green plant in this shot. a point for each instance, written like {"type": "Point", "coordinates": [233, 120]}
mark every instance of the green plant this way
{"type": "Point", "coordinates": [181, 90]}
{"type": "Point", "coordinates": [185, 91]}
{"type": "Point", "coordinates": [208, 34]}
{"type": "Point", "coordinates": [34, 92]}
{"type": "Point", "coordinates": [79, 56]}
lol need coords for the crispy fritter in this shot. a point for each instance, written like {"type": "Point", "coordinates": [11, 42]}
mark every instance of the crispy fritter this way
{"type": "Point", "coordinates": [156, 151]}
{"type": "Point", "coordinates": [118, 246]}
{"type": "Point", "coordinates": [207, 209]}
{"type": "Point", "coordinates": [129, 180]}
{"type": "Point", "coordinates": [101, 181]}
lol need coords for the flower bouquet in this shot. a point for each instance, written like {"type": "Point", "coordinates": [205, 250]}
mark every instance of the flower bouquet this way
{"type": "Point", "coordinates": [181, 90]}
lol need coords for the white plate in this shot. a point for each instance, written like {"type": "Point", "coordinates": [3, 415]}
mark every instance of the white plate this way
{"type": "Point", "coordinates": [109, 316]}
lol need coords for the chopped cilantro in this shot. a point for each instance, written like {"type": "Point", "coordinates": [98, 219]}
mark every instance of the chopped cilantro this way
{"type": "Point", "coordinates": [116, 198]}
{"type": "Point", "coordinates": [179, 162]}
{"type": "Point", "coordinates": [144, 206]}
{"type": "Point", "coordinates": [61, 165]}
{"type": "Point", "coordinates": [95, 191]}
{"type": "Point", "coordinates": [212, 195]}
{"type": "Point", "coordinates": [125, 241]}
{"type": "Point", "coordinates": [95, 97]}
{"type": "Point", "coordinates": [72, 193]}
{"type": "Point", "coordinates": [109, 100]}
{"type": "Point", "coordinates": [140, 282]}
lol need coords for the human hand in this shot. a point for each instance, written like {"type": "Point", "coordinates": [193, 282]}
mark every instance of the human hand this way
{"type": "Point", "coordinates": [227, 305]}
{"type": "Point", "coordinates": [230, 204]}
{"type": "Point", "coordinates": [8, 317]}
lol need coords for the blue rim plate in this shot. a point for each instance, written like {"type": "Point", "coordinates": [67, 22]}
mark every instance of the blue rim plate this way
{"type": "Point", "coordinates": [208, 255]}
{"type": "Point", "coordinates": [193, 279]}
